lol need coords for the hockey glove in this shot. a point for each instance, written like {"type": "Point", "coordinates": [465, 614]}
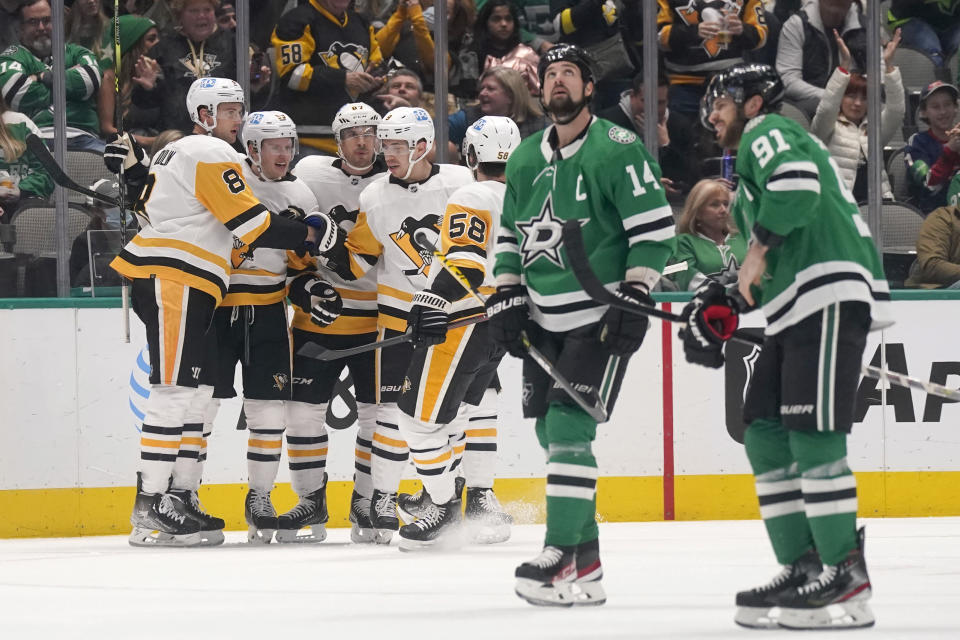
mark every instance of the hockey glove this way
{"type": "Point", "coordinates": [428, 318]}
{"type": "Point", "coordinates": [711, 318]}
{"type": "Point", "coordinates": [340, 214]}
{"type": "Point", "coordinates": [124, 151]}
{"type": "Point", "coordinates": [325, 302]}
{"type": "Point", "coordinates": [621, 331]}
{"type": "Point", "coordinates": [508, 316]}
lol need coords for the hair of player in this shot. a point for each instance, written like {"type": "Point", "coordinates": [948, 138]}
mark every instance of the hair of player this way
{"type": "Point", "coordinates": [493, 169]}
{"type": "Point", "coordinates": [522, 105]}
{"type": "Point", "coordinates": [12, 148]}
{"type": "Point", "coordinates": [697, 199]}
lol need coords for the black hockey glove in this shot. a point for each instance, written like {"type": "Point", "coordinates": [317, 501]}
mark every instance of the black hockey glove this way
{"type": "Point", "coordinates": [428, 318]}
{"type": "Point", "coordinates": [711, 318]}
{"type": "Point", "coordinates": [340, 214]}
{"type": "Point", "coordinates": [325, 303]}
{"type": "Point", "coordinates": [621, 331]}
{"type": "Point", "coordinates": [127, 153]}
{"type": "Point", "coordinates": [509, 316]}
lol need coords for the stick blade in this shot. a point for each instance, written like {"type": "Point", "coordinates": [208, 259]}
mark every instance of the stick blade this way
{"type": "Point", "coordinates": [315, 351]}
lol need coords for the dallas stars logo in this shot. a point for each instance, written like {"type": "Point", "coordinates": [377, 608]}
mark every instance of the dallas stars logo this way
{"type": "Point", "coordinates": [541, 236]}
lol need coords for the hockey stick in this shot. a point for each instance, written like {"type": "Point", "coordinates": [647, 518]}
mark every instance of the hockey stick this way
{"type": "Point", "coordinates": [315, 351]}
{"type": "Point", "coordinates": [573, 241]}
{"type": "Point", "coordinates": [122, 183]}
{"type": "Point", "coordinates": [596, 411]}
{"type": "Point", "coordinates": [44, 157]}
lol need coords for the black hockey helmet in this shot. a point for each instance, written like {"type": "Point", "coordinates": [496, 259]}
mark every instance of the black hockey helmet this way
{"type": "Point", "coordinates": [568, 53]}
{"type": "Point", "coordinates": [741, 82]}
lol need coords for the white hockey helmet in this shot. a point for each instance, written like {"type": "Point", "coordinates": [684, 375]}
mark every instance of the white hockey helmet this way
{"type": "Point", "coordinates": [490, 139]}
{"type": "Point", "coordinates": [267, 125]}
{"type": "Point", "coordinates": [354, 114]}
{"type": "Point", "coordinates": [210, 93]}
{"type": "Point", "coordinates": [407, 123]}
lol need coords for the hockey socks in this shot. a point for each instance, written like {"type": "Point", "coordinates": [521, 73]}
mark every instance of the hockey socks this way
{"type": "Point", "coordinates": [480, 428]}
{"type": "Point", "coordinates": [306, 446]}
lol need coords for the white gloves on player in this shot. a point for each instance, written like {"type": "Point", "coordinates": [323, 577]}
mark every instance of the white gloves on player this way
{"type": "Point", "coordinates": [124, 151]}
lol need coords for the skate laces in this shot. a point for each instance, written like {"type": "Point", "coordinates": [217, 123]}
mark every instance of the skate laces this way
{"type": "Point", "coordinates": [489, 502]}
{"type": "Point", "coordinates": [167, 509]}
{"type": "Point", "coordinates": [548, 557]}
{"type": "Point", "coordinates": [826, 577]}
{"type": "Point", "coordinates": [778, 579]}
{"type": "Point", "coordinates": [361, 506]}
{"type": "Point", "coordinates": [260, 503]}
{"type": "Point", "coordinates": [385, 505]}
{"type": "Point", "coordinates": [304, 507]}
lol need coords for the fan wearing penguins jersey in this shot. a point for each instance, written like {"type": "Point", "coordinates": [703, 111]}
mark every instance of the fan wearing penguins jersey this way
{"type": "Point", "coordinates": [452, 370]}
{"type": "Point", "coordinates": [337, 183]}
{"type": "Point", "coordinates": [395, 210]}
{"type": "Point", "coordinates": [196, 202]}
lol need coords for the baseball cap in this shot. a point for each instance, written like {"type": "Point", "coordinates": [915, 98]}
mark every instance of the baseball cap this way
{"type": "Point", "coordinates": [937, 85]}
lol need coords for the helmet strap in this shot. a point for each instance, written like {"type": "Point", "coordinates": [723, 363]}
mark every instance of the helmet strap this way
{"type": "Point", "coordinates": [411, 161]}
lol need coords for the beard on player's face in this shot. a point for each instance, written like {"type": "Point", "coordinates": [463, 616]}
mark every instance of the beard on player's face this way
{"type": "Point", "coordinates": [563, 108]}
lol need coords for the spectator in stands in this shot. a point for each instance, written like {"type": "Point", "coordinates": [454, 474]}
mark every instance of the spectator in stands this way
{"type": "Point", "coordinates": [933, 156]}
{"type": "Point", "coordinates": [503, 92]}
{"type": "Point", "coordinates": [140, 97]}
{"type": "Point", "coordinates": [323, 51]}
{"type": "Point", "coordinates": [9, 19]}
{"type": "Point", "coordinates": [807, 53]}
{"type": "Point", "coordinates": [403, 89]}
{"type": "Point", "coordinates": [226, 16]}
{"type": "Point", "coordinates": [707, 239]}
{"type": "Point", "coordinates": [195, 48]}
{"type": "Point", "coordinates": [406, 37]}
{"type": "Point", "coordinates": [464, 69]}
{"type": "Point", "coordinates": [159, 11]}
{"type": "Point", "coordinates": [628, 113]}
{"type": "Point", "coordinates": [26, 79]}
{"type": "Point", "coordinates": [21, 175]}
{"type": "Point", "coordinates": [85, 25]}
{"type": "Point", "coordinates": [496, 40]}
{"type": "Point", "coordinates": [938, 251]}
{"type": "Point", "coordinates": [700, 38]}
{"type": "Point", "coordinates": [165, 138]}
{"type": "Point", "coordinates": [841, 118]}
{"type": "Point", "coordinates": [931, 27]}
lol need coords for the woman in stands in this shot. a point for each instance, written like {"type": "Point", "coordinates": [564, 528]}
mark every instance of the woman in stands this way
{"type": "Point", "coordinates": [21, 176]}
{"type": "Point", "coordinates": [841, 118]}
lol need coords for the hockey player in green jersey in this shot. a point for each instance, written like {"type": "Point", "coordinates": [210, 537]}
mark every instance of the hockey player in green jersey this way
{"type": "Point", "coordinates": [814, 272]}
{"type": "Point", "coordinates": [587, 169]}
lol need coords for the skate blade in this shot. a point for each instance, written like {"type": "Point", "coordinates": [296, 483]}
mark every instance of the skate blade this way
{"type": "Point", "coordinates": [588, 594]}
{"type": "Point", "coordinates": [382, 536]}
{"type": "Point", "coordinates": [407, 517]}
{"type": "Point", "coordinates": [312, 534]}
{"type": "Point", "coordinates": [260, 536]}
{"type": "Point", "coordinates": [846, 615]}
{"type": "Point", "coordinates": [757, 617]}
{"type": "Point", "coordinates": [541, 595]}
{"type": "Point", "coordinates": [211, 538]}
{"type": "Point", "coordinates": [154, 538]}
{"type": "Point", "coordinates": [450, 542]}
{"type": "Point", "coordinates": [361, 535]}
{"type": "Point", "coordinates": [488, 534]}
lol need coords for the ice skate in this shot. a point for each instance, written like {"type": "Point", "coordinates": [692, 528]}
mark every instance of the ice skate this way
{"type": "Point", "coordinates": [211, 527]}
{"type": "Point", "coordinates": [588, 588]}
{"type": "Point", "coordinates": [437, 527]}
{"type": "Point", "coordinates": [755, 607]}
{"type": "Point", "coordinates": [310, 513]}
{"type": "Point", "coordinates": [383, 516]}
{"type": "Point", "coordinates": [485, 519]}
{"type": "Point", "coordinates": [261, 517]}
{"type": "Point", "coordinates": [361, 529]}
{"type": "Point", "coordinates": [410, 506]}
{"type": "Point", "coordinates": [547, 580]}
{"type": "Point", "coordinates": [161, 520]}
{"type": "Point", "coordinates": [837, 599]}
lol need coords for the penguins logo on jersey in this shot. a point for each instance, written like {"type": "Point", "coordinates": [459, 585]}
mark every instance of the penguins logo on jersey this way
{"type": "Point", "coordinates": [410, 240]}
{"type": "Point", "coordinates": [541, 236]}
{"type": "Point", "coordinates": [200, 67]}
{"type": "Point", "coordinates": [347, 56]}
{"type": "Point", "coordinates": [240, 253]}
{"type": "Point", "coordinates": [697, 11]}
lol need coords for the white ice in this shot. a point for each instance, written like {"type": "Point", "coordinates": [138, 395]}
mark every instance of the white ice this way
{"type": "Point", "coordinates": [663, 580]}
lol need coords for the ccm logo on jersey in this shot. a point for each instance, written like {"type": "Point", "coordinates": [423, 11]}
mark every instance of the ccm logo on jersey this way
{"type": "Point", "coordinates": [796, 409]}
{"type": "Point", "coordinates": [302, 380]}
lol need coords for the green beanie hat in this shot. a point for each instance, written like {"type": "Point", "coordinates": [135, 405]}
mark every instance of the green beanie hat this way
{"type": "Point", "coordinates": [132, 29]}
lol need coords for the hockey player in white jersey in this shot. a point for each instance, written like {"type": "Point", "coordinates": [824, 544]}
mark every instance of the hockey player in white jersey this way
{"type": "Point", "coordinates": [451, 371]}
{"type": "Point", "coordinates": [394, 210]}
{"type": "Point", "coordinates": [196, 202]}
{"type": "Point", "coordinates": [337, 183]}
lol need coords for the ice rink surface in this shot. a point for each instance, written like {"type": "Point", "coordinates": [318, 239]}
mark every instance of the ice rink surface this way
{"type": "Point", "coordinates": [663, 580]}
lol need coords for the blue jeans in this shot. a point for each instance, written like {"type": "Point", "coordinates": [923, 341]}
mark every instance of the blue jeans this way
{"type": "Point", "coordinates": [939, 45]}
{"type": "Point", "coordinates": [86, 143]}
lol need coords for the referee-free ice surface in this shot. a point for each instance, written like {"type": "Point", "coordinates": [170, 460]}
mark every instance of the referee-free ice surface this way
{"type": "Point", "coordinates": [663, 580]}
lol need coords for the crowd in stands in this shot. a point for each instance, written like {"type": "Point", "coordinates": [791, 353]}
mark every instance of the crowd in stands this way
{"type": "Point", "coordinates": [308, 57]}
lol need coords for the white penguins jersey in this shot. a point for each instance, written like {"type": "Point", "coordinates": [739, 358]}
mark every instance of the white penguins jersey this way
{"type": "Point", "coordinates": [259, 276]}
{"type": "Point", "coordinates": [468, 234]}
{"type": "Point", "coordinates": [196, 202]}
{"type": "Point", "coordinates": [394, 217]}
{"type": "Point", "coordinates": [332, 186]}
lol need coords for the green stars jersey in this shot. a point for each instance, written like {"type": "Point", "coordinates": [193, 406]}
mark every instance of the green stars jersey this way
{"type": "Point", "coordinates": [605, 179]}
{"type": "Point", "coordinates": [24, 93]}
{"type": "Point", "coordinates": [27, 172]}
{"type": "Point", "coordinates": [707, 260]}
{"type": "Point", "coordinates": [790, 185]}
